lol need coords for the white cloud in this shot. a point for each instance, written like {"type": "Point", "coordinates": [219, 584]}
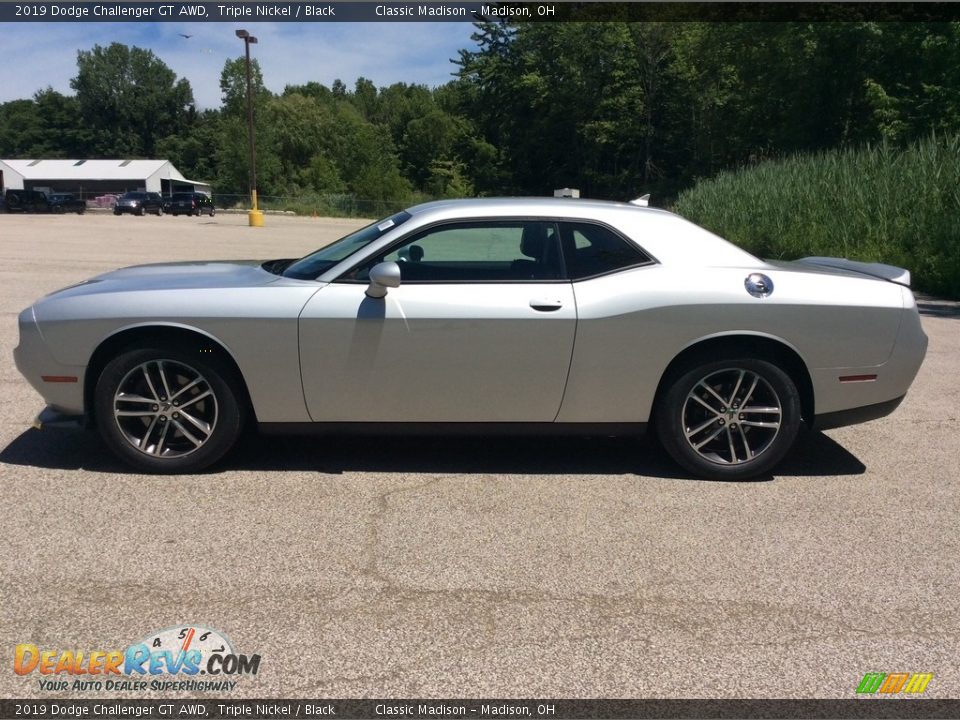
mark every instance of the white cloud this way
{"type": "Point", "coordinates": [289, 53]}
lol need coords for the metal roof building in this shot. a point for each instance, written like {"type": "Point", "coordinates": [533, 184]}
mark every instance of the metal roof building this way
{"type": "Point", "coordinates": [88, 178]}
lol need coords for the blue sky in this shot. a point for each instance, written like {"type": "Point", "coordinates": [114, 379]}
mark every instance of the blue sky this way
{"type": "Point", "coordinates": [289, 53]}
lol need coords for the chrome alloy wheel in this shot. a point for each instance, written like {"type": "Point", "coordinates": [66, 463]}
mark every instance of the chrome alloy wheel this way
{"type": "Point", "coordinates": [165, 408]}
{"type": "Point", "coordinates": [731, 416]}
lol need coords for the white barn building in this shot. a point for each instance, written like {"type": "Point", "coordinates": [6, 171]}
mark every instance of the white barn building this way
{"type": "Point", "coordinates": [90, 178]}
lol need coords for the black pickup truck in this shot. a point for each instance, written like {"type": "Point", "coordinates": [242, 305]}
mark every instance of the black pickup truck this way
{"type": "Point", "coordinates": [65, 202]}
{"type": "Point", "coordinates": [35, 201]}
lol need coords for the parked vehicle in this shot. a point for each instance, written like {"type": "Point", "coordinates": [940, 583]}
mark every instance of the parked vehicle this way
{"type": "Point", "coordinates": [139, 203]}
{"type": "Point", "coordinates": [65, 202]}
{"type": "Point", "coordinates": [488, 315]}
{"type": "Point", "coordinates": [26, 201]}
{"type": "Point", "coordinates": [189, 203]}
{"type": "Point", "coordinates": [106, 201]}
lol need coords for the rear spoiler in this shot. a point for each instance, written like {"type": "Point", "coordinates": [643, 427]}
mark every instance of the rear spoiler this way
{"type": "Point", "coordinates": [878, 270]}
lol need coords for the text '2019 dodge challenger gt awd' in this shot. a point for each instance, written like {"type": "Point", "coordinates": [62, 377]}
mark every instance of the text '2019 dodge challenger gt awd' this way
{"type": "Point", "coordinates": [484, 315]}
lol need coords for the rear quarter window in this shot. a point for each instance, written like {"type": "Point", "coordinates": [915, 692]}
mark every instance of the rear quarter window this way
{"type": "Point", "coordinates": [590, 250]}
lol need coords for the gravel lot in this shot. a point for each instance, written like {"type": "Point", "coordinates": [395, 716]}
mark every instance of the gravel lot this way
{"type": "Point", "coordinates": [513, 568]}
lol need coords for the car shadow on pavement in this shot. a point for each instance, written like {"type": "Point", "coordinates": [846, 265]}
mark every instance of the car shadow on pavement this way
{"type": "Point", "coordinates": [58, 449]}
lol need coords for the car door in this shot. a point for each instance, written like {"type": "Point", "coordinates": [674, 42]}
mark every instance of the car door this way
{"type": "Point", "coordinates": [480, 329]}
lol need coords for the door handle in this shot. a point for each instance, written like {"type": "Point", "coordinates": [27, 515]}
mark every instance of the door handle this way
{"type": "Point", "coordinates": [544, 305]}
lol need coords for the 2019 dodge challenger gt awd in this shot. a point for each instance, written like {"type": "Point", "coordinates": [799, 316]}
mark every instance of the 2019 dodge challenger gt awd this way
{"type": "Point", "coordinates": [482, 315]}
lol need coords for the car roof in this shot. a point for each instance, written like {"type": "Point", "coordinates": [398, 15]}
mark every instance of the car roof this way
{"type": "Point", "coordinates": [663, 234]}
{"type": "Point", "coordinates": [562, 207]}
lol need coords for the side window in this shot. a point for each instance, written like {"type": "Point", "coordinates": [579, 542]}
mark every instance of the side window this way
{"type": "Point", "coordinates": [590, 250]}
{"type": "Point", "coordinates": [508, 251]}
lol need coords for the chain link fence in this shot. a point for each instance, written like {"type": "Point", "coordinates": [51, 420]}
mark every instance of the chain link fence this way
{"type": "Point", "coordinates": [333, 205]}
{"type": "Point", "coordinates": [320, 205]}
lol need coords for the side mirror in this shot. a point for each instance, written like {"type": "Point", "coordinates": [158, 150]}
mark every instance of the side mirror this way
{"type": "Point", "coordinates": [382, 276]}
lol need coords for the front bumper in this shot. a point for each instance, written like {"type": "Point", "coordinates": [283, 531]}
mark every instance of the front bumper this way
{"type": "Point", "coordinates": [50, 417]}
{"type": "Point", "coordinates": [61, 386]}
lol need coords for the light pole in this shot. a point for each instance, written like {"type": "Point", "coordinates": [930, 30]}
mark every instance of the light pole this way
{"type": "Point", "coordinates": [255, 216]}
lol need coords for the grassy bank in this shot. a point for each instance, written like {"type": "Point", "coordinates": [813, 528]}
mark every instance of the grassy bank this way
{"type": "Point", "coordinates": [899, 206]}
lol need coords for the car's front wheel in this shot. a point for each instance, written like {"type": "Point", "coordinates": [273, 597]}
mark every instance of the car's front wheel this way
{"type": "Point", "coordinates": [167, 411]}
{"type": "Point", "coordinates": [729, 419]}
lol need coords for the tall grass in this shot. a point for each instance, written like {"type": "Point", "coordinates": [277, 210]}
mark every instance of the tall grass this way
{"type": "Point", "coordinates": [879, 203]}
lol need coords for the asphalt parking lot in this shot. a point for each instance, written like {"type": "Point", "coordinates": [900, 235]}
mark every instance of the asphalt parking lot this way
{"type": "Point", "coordinates": [476, 568]}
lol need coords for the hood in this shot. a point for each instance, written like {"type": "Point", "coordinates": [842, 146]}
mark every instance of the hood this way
{"type": "Point", "coordinates": [174, 276]}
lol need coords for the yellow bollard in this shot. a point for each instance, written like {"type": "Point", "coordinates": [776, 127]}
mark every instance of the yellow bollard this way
{"type": "Point", "coordinates": [255, 216]}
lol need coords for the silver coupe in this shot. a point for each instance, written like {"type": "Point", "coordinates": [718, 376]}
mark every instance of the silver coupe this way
{"type": "Point", "coordinates": [489, 315]}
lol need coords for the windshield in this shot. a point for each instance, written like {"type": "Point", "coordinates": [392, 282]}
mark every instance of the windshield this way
{"type": "Point", "coordinates": [318, 262]}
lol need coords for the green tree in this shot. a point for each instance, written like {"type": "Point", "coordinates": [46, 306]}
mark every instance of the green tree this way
{"type": "Point", "coordinates": [233, 87]}
{"type": "Point", "coordinates": [20, 129]}
{"type": "Point", "coordinates": [194, 151]}
{"type": "Point", "coordinates": [232, 150]}
{"type": "Point", "coordinates": [128, 99]}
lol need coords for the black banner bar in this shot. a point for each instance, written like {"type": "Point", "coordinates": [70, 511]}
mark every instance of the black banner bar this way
{"type": "Point", "coordinates": [203, 709]}
{"type": "Point", "coordinates": [394, 11]}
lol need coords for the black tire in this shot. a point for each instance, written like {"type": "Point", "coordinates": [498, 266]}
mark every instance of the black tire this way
{"type": "Point", "coordinates": [141, 211]}
{"type": "Point", "coordinates": [159, 212]}
{"type": "Point", "coordinates": [746, 443]}
{"type": "Point", "coordinates": [116, 212]}
{"type": "Point", "coordinates": [171, 444]}
{"type": "Point", "coordinates": [213, 211]}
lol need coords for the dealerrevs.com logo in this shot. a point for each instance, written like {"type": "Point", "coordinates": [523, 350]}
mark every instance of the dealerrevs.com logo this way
{"type": "Point", "coordinates": [894, 683]}
{"type": "Point", "coordinates": [173, 659]}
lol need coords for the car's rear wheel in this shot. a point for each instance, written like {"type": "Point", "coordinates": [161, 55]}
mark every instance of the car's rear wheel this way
{"type": "Point", "coordinates": [167, 411]}
{"type": "Point", "coordinates": [729, 419]}
{"type": "Point", "coordinates": [213, 211]}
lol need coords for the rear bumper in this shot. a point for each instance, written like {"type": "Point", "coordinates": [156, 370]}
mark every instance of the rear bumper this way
{"type": "Point", "coordinates": [838, 394]}
{"type": "Point", "coordinates": [857, 415]}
